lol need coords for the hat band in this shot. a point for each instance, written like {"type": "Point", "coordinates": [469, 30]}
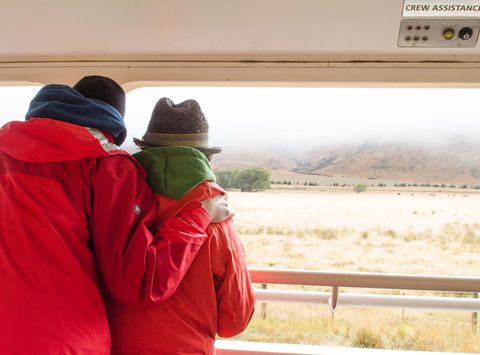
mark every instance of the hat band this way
{"type": "Point", "coordinates": [177, 139]}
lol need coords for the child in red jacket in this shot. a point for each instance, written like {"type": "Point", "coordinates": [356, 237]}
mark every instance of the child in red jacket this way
{"type": "Point", "coordinates": [216, 296]}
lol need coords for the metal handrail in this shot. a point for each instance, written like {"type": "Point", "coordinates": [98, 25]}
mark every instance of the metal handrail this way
{"type": "Point", "coordinates": [369, 300]}
{"type": "Point", "coordinates": [366, 280]}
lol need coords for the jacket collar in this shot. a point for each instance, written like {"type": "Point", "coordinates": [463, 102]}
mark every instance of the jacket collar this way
{"type": "Point", "coordinates": [43, 140]}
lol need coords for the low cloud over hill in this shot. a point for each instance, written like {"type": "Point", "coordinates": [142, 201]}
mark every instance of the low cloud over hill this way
{"type": "Point", "coordinates": [456, 162]}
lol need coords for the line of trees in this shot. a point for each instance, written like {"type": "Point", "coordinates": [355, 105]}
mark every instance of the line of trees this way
{"type": "Point", "coordinates": [380, 184]}
{"type": "Point", "coordinates": [247, 180]}
{"type": "Point", "coordinates": [258, 179]}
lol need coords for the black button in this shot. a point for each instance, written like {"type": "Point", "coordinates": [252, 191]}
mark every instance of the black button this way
{"type": "Point", "coordinates": [465, 33]}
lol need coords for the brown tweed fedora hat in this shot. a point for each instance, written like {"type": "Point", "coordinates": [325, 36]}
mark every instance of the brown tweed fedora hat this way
{"type": "Point", "coordinates": [182, 124]}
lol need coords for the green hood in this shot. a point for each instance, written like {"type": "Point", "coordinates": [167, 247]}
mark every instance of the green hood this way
{"type": "Point", "coordinates": [175, 171]}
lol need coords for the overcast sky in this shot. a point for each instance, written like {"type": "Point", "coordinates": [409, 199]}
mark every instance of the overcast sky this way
{"type": "Point", "coordinates": [305, 117]}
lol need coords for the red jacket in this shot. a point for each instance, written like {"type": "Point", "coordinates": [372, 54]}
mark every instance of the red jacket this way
{"type": "Point", "coordinates": [76, 214]}
{"type": "Point", "coordinates": [215, 297]}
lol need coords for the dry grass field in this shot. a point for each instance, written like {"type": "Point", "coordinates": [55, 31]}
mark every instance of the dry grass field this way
{"type": "Point", "coordinates": [415, 232]}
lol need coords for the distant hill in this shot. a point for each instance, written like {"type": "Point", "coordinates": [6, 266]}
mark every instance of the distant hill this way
{"type": "Point", "coordinates": [457, 162]}
{"type": "Point", "coordinates": [240, 159]}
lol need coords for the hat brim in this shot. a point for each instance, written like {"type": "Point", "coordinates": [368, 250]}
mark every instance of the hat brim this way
{"type": "Point", "coordinates": [206, 150]}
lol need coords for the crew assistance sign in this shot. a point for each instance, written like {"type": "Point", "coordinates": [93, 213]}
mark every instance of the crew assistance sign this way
{"type": "Point", "coordinates": [441, 8]}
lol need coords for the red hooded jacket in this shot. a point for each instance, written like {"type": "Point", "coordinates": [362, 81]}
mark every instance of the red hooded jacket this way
{"type": "Point", "coordinates": [75, 217]}
{"type": "Point", "coordinates": [215, 297]}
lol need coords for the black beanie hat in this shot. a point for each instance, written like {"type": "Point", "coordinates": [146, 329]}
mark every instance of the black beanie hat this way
{"type": "Point", "coordinates": [104, 89]}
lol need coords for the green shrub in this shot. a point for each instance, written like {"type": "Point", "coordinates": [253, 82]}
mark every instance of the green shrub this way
{"type": "Point", "coordinates": [247, 180]}
{"type": "Point", "coordinates": [367, 339]}
{"type": "Point", "coordinates": [360, 188]}
{"type": "Point", "coordinates": [225, 179]}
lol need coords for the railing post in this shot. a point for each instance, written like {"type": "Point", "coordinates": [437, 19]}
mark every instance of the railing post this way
{"type": "Point", "coordinates": [475, 316]}
{"type": "Point", "coordinates": [333, 300]}
{"type": "Point", "coordinates": [264, 304]}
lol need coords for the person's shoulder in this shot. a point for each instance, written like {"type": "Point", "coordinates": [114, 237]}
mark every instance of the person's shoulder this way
{"type": "Point", "coordinates": [121, 161]}
{"type": "Point", "coordinates": [210, 189]}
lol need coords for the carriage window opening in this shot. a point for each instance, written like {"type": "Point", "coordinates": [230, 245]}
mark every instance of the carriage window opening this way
{"type": "Point", "coordinates": [347, 179]}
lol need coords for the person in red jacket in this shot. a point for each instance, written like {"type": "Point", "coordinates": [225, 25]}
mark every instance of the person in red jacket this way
{"type": "Point", "coordinates": [78, 217]}
{"type": "Point", "coordinates": [215, 296]}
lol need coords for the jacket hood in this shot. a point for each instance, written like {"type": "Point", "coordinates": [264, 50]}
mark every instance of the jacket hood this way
{"type": "Point", "coordinates": [175, 171]}
{"type": "Point", "coordinates": [61, 102]}
{"type": "Point", "coordinates": [44, 140]}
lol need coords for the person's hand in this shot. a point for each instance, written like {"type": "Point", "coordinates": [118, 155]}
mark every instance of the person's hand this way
{"type": "Point", "coordinates": [217, 208]}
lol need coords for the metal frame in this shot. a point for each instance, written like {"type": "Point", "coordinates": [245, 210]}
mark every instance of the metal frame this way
{"type": "Point", "coordinates": [132, 75]}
